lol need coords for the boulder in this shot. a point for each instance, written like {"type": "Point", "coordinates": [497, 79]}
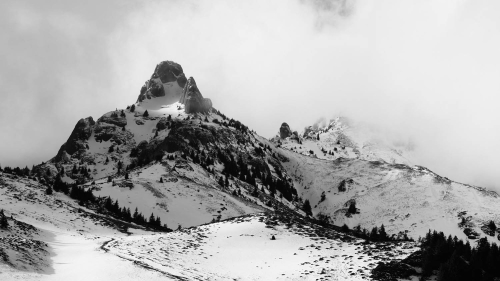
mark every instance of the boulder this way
{"type": "Point", "coordinates": [285, 131]}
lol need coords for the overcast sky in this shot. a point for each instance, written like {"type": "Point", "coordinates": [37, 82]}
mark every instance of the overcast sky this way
{"type": "Point", "coordinates": [427, 70]}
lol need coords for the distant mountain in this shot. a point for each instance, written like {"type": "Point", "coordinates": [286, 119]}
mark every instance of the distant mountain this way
{"type": "Point", "coordinates": [339, 138]}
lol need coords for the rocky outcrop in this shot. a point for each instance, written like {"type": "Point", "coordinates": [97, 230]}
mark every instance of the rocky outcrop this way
{"type": "Point", "coordinates": [118, 121]}
{"type": "Point", "coordinates": [165, 72]}
{"type": "Point", "coordinates": [76, 140]}
{"type": "Point", "coordinates": [193, 100]}
{"type": "Point", "coordinates": [307, 131]}
{"type": "Point", "coordinates": [162, 124]}
{"type": "Point", "coordinates": [285, 131]}
{"type": "Point", "coordinates": [169, 71]}
{"type": "Point", "coordinates": [109, 132]}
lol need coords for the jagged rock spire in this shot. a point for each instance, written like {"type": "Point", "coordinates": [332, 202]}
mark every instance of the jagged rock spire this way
{"type": "Point", "coordinates": [193, 100]}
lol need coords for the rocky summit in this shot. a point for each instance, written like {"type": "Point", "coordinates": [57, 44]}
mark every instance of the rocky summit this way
{"type": "Point", "coordinates": [168, 85]}
{"type": "Point", "coordinates": [285, 131]}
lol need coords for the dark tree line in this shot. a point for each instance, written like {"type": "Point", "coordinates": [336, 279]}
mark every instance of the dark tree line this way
{"type": "Point", "coordinates": [22, 172]}
{"type": "Point", "coordinates": [82, 195]}
{"type": "Point", "coordinates": [456, 260]}
{"type": "Point", "coordinates": [136, 217]}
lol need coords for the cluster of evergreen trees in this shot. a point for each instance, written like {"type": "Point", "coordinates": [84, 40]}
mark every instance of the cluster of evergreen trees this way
{"type": "Point", "coordinates": [456, 260]}
{"type": "Point", "coordinates": [306, 207]}
{"type": "Point", "coordinates": [82, 195]}
{"type": "Point", "coordinates": [22, 172]}
{"type": "Point", "coordinates": [241, 171]}
{"type": "Point", "coordinates": [124, 214]}
{"type": "Point", "coordinates": [82, 170]}
{"type": "Point", "coordinates": [59, 185]}
{"type": "Point", "coordinates": [377, 234]}
{"type": "Point", "coordinates": [115, 114]}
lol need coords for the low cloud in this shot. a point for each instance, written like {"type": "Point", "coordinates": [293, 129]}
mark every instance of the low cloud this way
{"type": "Point", "coordinates": [425, 70]}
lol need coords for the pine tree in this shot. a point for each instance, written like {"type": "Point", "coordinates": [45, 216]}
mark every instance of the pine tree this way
{"type": "Point", "coordinates": [48, 191]}
{"type": "Point", "coordinates": [126, 176]}
{"type": "Point", "coordinates": [374, 234]}
{"type": "Point", "coordinates": [345, 228]}
{"type": "Point", "coordinates": [352, 208]}
{"type": "Point", "coordinates": [3, 220]}
{"type": "Point", "coordinates": [108, 204]}
{"type": "Point", "coordinates": [382, 234]}
{"type": "Point", "coordinates": [132, 108]}
{"type": "Point", "coordinates": [161, 180]}
{"type": "Point", "coordinates": [146, 113]}
{"type": "Point", "coordinates": [306, 207]}
{"type": "Point", "coordinates": [135, 216]}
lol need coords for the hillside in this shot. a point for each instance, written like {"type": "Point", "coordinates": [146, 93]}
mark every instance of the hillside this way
{"type": "Point", "coordinates": [408, 199]}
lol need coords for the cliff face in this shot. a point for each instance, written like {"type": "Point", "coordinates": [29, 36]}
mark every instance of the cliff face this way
{"type": "Point", "coordinates": [285, 131]}
{"type": "Point", "coordinates": [193, 100]}
{"type": "Point", "coordinates": [76, 141]}
{"type": "Point", "coordinates": [165, 75]}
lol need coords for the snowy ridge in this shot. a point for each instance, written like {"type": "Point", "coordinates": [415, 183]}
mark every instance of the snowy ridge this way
{"type": "Point", "coordinates": [403, 198]}
{"type": "Point", "coordinates": [340, 139]}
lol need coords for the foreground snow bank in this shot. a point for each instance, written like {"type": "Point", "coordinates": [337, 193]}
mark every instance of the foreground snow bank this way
{"type": "Point", "coordinates": [242, 249]}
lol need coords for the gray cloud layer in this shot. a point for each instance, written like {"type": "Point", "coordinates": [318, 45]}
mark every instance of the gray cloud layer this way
{"type": "Point", "coordinates": [426, 70]}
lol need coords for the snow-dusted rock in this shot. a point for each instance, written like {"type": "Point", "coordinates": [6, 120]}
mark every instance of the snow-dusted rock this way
{"type": "Point", "coordinates": [118, 121]}
{"type": "Point", "coordinates": [285, 131]}
{"type": "Point", "coordinates": [162, 124]}
{"type": "Point", "coordinates": [166, 75]}
{"type": "Point", "coordinates": [75, 142]}
{"type": "Point", "coordinates": [193, 100]}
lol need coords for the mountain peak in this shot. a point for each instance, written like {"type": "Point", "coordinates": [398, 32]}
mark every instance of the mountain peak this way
{"type": "Point", "coordinates": [166, 83]}
{"type": "Point", "coordinates": [169, 85]}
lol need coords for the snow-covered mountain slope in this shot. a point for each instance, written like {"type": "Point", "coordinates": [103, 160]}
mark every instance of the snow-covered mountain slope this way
{"type": "Point", "coordinates": [72, 242]}
{"type": "Point", "coordinates": [340, 138]}
{"type": "Point", "coordinates": [403, 198]}
{"type": "Point", "coordinates": [52, 237]}
{"type": "Point", "coordinates": [243, 249]}
{"type": "Point", "coordinates": [188, 195]}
